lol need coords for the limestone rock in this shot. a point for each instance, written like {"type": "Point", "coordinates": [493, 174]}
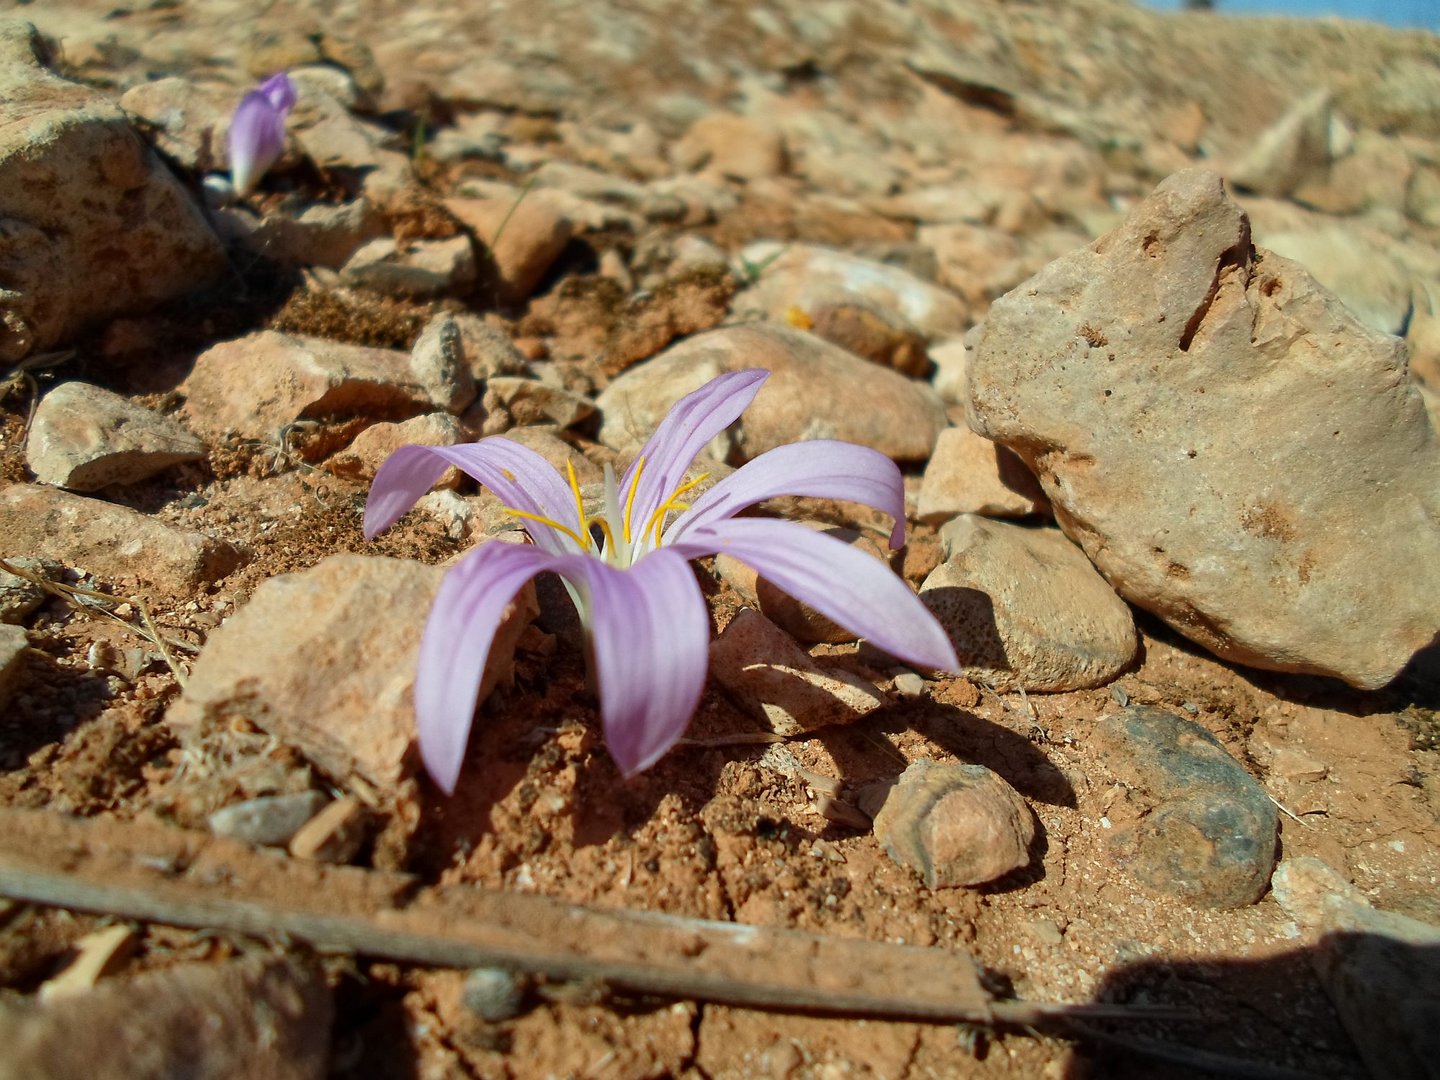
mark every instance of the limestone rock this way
{"type": "Point", "coordinates": [1358, 267]}
{"type": "Point", "coordinates": [530, 401]}
{"type": "Point", "coordinates": [488, 351]}
{"type": "Point", "coordinates": [791, 275]}
{"type": "Point", "coordinates": [762, 666]}
{"type": "Point", "coordinates": [1291, 151]}
{"type": "Point", "coordinates": [951, 358]}
{"type": "Point", "coordinates": [256, 385]}
{"type": "Point", "coordinates": [417, 270]}
{"type": "Point", "coordinates": [368, 451]}
{"type": "Point", "coordinates": [85, 438]}
{"type": "Point", "coordinates": [1206, 831]}
{"type": "Point", "coordinates": [954, 824]}
{"type": "Point", "coordinates": [112, 542]}
{"type": "Point", "coordinates": [1025, 609]}
{"type": "Point", "coordinates": [738, 147]}
{"type": "Point", "coordinates": [318, 235]}
{"type": "Point", "coordinates": [1380, 969]}
{"type": "Point", "coordinates": [1166, 386]}
{"type": "Point", "coordinates": [325, 660]}
{"type": "Point", "coordinates": [339, 142]}
{"type": "Point", "coordinates": [522, 237]}
{"type": "Point", "coordinates": [95, 225]}
{"type": "Point", "coordinates": [815, 391]}
{"type": "Point", "coordinates": [439, 363]}
{"type": "Point", "coordinates": [969, 474]}
{"type": "Point", "coordinates": [261, 1015]}
{"type": "Point", "coordinates": [185, 120]}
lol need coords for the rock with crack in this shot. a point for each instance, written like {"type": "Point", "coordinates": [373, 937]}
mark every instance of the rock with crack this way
{"type": "Point", "coordinates": [953, 824]}
{"type": "Point", "coordinates": [1229, 446]}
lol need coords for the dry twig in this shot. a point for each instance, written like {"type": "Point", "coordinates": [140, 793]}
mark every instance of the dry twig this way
{"type": "Point", "coordinates": [93, 600]}
{"type": "Point", "coordinates": [180, 878]}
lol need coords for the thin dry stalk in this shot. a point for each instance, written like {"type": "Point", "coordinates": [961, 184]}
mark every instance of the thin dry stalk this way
{"type": "Point", "coordinates": [92, 600]}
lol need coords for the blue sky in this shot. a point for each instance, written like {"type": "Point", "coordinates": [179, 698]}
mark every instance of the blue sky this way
{"type": "Point", "coordinates": [1423, 13]}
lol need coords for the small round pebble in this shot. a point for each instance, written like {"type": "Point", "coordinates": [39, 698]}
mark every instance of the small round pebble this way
{"type": "Point", "coordinates": [494, 994]}
{"type": "Point", "coordinates": [955, 824]}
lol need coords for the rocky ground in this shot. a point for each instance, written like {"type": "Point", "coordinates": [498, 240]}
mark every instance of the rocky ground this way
{"type": "Point", "coordinates": [1146, 306]}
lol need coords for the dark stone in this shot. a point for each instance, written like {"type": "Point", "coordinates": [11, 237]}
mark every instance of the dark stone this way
{"type": "Point", "coordinates": [1207, 830]}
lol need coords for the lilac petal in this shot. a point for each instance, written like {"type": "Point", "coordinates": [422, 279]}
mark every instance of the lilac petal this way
{"type": "Point", "coordinates": [280, 92]}
{"type": "Point", "coordinates": [518, 475]}
{"type": "Point", "coordinates": [651, 635]}
{"type": "Point", "coordinates": [257, 139]}
{"type": "Point", "coordinates": [467, 612]}
{"type": "Point", "coordinates": [693, 421]}
{"type": "Point", "coordinates": [820, 469]}
{"type": "Point", "coordinates": [843, 583]}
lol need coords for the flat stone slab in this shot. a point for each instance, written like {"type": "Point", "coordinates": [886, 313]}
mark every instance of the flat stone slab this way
{"type": "Point", "coordinates": [86, 438]}
{"type": "Point", "coordinates": [112, 542]}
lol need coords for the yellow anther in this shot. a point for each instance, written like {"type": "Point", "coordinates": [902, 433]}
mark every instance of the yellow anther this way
{"type": "Point", "coordinates": [547, 521]}
{"type": "Point", "coordinates": [575, 487]}
{"type": "Point", "coordinates": [630, 499]}
{"type": "Point", "coordinates": [688, 485]}
{"type": "Point", "coordinates": [656, 524]}
{"type": "Point", "coordinates": [605, 528]}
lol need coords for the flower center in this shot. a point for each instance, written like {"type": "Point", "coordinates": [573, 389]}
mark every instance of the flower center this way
{"type": "Point", "coordinates": [610, 533]}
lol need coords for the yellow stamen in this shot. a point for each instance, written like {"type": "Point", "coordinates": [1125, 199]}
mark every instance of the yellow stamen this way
{"type": "Point", "coordinates": [656, 524]}
{"type": "Point", "coordinates": [579, 503]}
{"type": "Point", "coordinates": [547, 521]}
{"type": "Point", "coordinates": [605, 528]}
{"type": "Point", "coordinates": [630, 499]}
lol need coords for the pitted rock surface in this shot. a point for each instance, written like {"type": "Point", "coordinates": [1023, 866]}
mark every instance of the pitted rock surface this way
{"type": "Point", "coordinates": [1209, 425]}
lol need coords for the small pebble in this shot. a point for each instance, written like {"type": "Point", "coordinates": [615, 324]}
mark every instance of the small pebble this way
{"type": "Point", "coordinates": [494, 994]}
{"type": "Point", "coordinates": [910, 685]}
{"type": "Point", "coordinates": [271, 819]}
{"type": "Point", "coordinates": [333, 835]}
{"type": "Point", "coordinates": [954, 824]}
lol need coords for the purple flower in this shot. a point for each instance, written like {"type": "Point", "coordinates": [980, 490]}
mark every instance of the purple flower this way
{"type": "Point", "coordinates": [257, 132]}
{"type": "Point", "coordinates": [626, 566]}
